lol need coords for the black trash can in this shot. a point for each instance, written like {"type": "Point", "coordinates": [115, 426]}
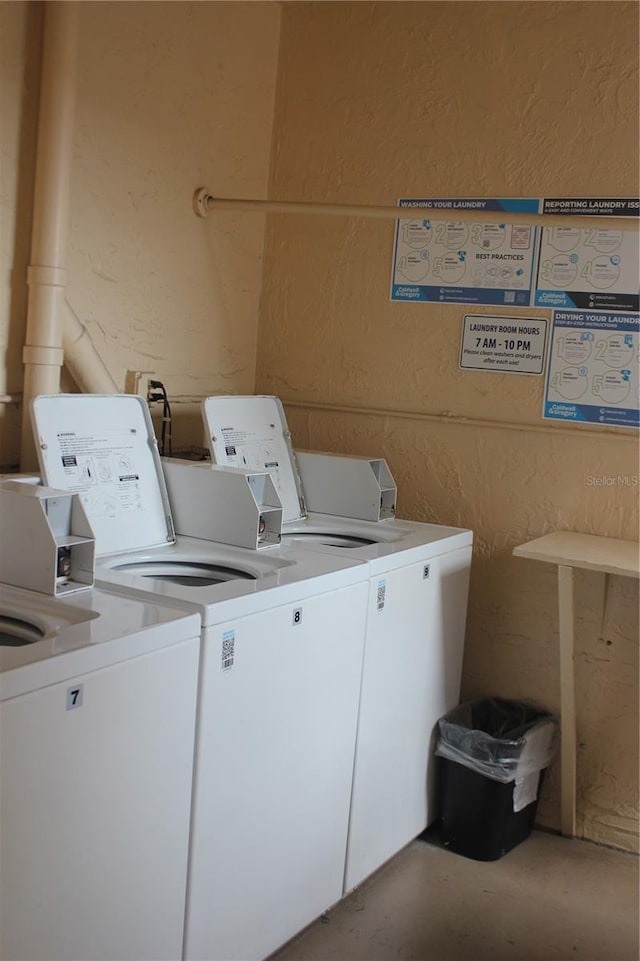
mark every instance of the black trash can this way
{"type": "Point", "coordinates": [492, 754]}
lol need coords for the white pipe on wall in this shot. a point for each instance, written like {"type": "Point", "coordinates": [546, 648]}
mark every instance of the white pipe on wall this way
{"type": "Point", "coordinates": [81, 358]}
{"type": "Point", "coordinates": [43, 354]}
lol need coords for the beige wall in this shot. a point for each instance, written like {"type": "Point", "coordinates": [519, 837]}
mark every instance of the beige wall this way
{"type": "Point", "coordinates": [171, 97]}
{"type": "Point", "coordinates": [374, 101]}
{"type": "Point", "coordinates": [379, 101]}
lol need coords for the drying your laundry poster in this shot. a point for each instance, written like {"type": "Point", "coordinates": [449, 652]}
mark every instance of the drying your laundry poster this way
{"type": "Point", "coordinates": [592, 371]}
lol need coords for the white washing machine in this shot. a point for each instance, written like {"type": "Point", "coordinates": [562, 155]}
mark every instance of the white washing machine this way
{"type": "Point", "coordinates": [416, 614]}
{"type": "Point", "coordinates": [282, 646]}
{"type": "Point", "coordinates": [97, 718]}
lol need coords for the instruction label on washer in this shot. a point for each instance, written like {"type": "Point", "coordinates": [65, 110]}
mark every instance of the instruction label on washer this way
{"type": "Point", "coordinates": [590, 269]}
{"type": "Point", "coordinates": [439, 259]}
{"type": "Point", "coordinates": [262, 448]}
{"type": "Point", "coordinates": [103, 468]}
{"type": "Point", "coordinates": [506, 345]}
{"type": "Point", "coordinates": [592, 374]}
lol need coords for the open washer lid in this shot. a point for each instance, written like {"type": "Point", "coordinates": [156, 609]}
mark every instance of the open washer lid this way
{"type": "Point", "coordinates": [252, 432]}
{"type": "Point", "coordinates": [103, 448]}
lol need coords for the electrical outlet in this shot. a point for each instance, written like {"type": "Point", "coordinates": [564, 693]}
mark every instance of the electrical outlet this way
{"type": "Point", "coordinates": [137, 382]}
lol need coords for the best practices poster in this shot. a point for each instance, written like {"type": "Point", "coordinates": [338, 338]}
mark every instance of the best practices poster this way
{"type": "Point", "coordinates": [592, 370]}
{"type": "Point", "coordinates": [438, 259]}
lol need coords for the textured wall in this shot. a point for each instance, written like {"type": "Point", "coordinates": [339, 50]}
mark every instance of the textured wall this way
{"type": "Point", "coordinates": [171, 96]}
{"type": "Point", "coordinates": [20, 34]}
{"type": "Point", "coordinates": [379, 101]}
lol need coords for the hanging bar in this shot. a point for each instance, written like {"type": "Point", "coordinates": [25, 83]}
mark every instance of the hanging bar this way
{"type": "Point", "coordinates": [204, 202]}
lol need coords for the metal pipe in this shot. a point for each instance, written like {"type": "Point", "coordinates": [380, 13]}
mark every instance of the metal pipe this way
{"type": "Point", "coordinates": [204, 202]}
{"type": "Point", "coordinates": [47, 275]}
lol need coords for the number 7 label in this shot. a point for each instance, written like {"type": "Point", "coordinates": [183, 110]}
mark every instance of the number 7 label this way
{"type": "Point", "coordinates": [74, 697]}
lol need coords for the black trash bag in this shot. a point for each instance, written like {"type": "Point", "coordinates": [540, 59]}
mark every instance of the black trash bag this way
{"type": "Point", "coordinates": [503, 740]}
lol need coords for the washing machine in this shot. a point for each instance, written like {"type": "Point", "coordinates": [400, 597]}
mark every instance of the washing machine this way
{"type": "Point", "coordinates": [281, 658]}
{"type": "Point", "coordinates": [416, 614]}
{"type": "Point", "coordinates": [97, 719]}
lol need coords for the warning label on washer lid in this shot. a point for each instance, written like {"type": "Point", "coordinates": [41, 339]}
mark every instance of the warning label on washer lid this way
{"type": "Point", "coordinates": [261, 449]}
{"type": "Point", "coordinates": [103, 468]}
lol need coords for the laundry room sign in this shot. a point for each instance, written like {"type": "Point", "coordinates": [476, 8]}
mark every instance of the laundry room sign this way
{"type": "Point", "coordinates": [505, 345]}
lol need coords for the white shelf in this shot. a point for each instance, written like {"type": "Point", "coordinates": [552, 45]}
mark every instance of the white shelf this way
{"type": "Point", "coordinates": [587, 551]}
{"type": "Point", "coordinates": [569, 550]}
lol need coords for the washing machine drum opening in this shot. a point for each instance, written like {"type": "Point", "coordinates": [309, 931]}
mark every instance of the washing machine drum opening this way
{"type": "Point", "coordinates": [15, 632]}
{"type": "Point", "coordinates": [185, 573]}
{"type": "Point", "coordinates": [331, 540]}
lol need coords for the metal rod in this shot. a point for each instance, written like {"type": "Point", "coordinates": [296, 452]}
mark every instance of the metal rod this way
{"type": "Point", "coordinates": [205, 202]}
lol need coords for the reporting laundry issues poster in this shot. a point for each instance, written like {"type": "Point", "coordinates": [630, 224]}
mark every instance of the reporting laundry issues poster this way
{"type": "Point", "coordinates": [592, 268]}
{"type": "Point", "coordinates": [440, 259]}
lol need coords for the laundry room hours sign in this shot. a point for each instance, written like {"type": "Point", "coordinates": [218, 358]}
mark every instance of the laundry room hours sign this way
{"type": "Point", "coordinates": [506, 345]}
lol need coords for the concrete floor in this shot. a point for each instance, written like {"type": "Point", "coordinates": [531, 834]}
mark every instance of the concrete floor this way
{"type": "Point", "coordinates": [549, 899]}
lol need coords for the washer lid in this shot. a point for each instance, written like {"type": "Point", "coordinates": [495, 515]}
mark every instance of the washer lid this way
{"type": "Point", "coordinates": [252, 432]}
{"type": "Point", "coordinates": [103, 448]}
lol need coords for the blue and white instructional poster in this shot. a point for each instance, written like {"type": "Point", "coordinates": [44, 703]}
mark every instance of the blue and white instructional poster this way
{"type": "Point", "coordinates": [439, 259]}
{"type": "Point", "coordinates": [592, 372]}
{"type": "Point", "coordinates": [590, 269]}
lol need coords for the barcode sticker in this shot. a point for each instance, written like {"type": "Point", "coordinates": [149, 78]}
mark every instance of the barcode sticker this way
{"type": "Point", "coordinates": [228, 650]}
{"type": "Point", "coordinates": [382, 589]}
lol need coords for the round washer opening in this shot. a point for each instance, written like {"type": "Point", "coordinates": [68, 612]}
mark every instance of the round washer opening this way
{"type": "Point", "coordinates": [15, 632]}
{"type": "Point", "coordinates": [331, 540]}
{"type": "Point", "coordinates": [186, 573]}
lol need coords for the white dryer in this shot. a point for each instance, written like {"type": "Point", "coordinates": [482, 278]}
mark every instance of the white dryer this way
{"type": "Point", "coordinates": [282, 645]}
{"type": "Point", "coordinates": [97, 718]}
{"type": "Point", "coordinates": [416, 614]}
